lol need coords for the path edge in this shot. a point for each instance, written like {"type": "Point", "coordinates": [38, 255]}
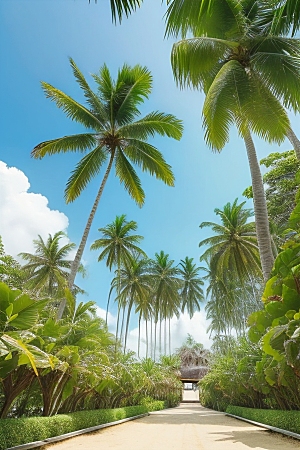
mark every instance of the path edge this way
{"type": "Point", "coordinates": [74, 433]}
{"type": "Point", "coordinates": [268, 427]}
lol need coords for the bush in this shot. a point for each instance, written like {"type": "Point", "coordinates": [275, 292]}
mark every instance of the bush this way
{"type": "Point", "coordinates": [21, 431]}
{"type": "Point", "coordinates": [286, 420]}
{"type": "Point", "coordinates": [153, 405]}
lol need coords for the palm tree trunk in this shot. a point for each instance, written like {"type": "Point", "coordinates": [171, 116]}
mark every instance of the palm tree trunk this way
{"type": "Point", "coordinates": [107, 307]}
{"type": "Point", "coordinates": [170, 336]}
{"type": "Point", "coordinates": [79, 253]}
{"type": "Point", "coordinates": [151, 336]}
{"type": "Point", "coordinates": [139, 339]}
{"type": "Point", "coordinates": [154, 351]}
{"type": "Point", "coordinates": [165, 337]}
{"type": "Point", "coordinates": [127, 323]}
{"type": "Point", "coordinates": [260, 210]}
{"type": "Point", "coordinates": [294, 141]}
{"type": "Point", "coordinates": [122, 324]}
{"type": "Point", "coordinates": [146, 339]}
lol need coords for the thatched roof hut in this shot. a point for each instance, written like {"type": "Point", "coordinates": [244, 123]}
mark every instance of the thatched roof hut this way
{"type": "Point", "coordinates": [192, 374]}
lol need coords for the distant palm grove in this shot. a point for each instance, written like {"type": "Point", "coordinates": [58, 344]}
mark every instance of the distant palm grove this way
{"type": "Point", "coordinates": [56, 354]}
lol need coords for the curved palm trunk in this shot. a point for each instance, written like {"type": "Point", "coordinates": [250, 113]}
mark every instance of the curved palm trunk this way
{"type": "Point", "coordinates": [107, 307]}
{"type": "Point", "coordinates": [122, 323]}
{"type": "Point", "coordinates": [127, 323]}
{"type": "Point", "coordinates": [260, 209]}
{"type": "Point", "coordinates": [79, 253]}
{"type": "Point", "coordinates": [294, 141]}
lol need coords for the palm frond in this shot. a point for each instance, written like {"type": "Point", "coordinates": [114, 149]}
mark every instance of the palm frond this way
{"type": "Point", "coordinates": [87, 168]}
{"type": "Point", "coordinates": [149, 159]}
{"type": "Point", "coordinates": [193, 60]}
{"type": "Point", "coordinates": [74, 143]}
{"type": "Point", "coordinates": [155, 122]}
{"type": "Point", "coordinates": [127, 175]}
{"type": "Point", "coordinates": [72, 109]}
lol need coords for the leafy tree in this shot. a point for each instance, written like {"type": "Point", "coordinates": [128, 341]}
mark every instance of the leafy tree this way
{"type": "Point", "coordinates": [281, 186]}
{"type": "Point", "coordinates": [191, 293]}
{"type": "Point", "coordinates": [118, 246]}
{"type": "Point", "coordinates": [248, 78]}
{"type": "Point", "coordinates": [48, 269]}
{"type": "Point", "coordinates": [117, 134]}
{"type": "Point", "coordinates": [11, 271]}
{"type": "Point", "coordinates": [233, 250]}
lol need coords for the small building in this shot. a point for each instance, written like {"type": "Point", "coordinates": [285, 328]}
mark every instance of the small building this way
{"type": "Point", "coordinates": [190, 376]}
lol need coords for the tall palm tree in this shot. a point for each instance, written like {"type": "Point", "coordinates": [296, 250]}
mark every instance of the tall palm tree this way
{"type": "Point", "coordinates": [166, 284]}
{"type": "Point", "coordinates": [115, 132]}
{"type": "Point", "coordinates": [233, 249]}
{"type": "Point", "coordinates": [48, 269]}
{"type": "Point", "coordinates": [135, 287]}
{"type": "Point", "coordinates": [245, 75]}
{"type": "Point", "coordinates": [118, 246]}
{"type": "Point", "coordinates": [191, 293]}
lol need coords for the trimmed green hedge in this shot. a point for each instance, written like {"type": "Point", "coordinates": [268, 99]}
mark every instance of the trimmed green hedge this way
{"type": "Point", "coordinates": [286, 420]}
{"type": "Point", "coordinates": [21, 431]}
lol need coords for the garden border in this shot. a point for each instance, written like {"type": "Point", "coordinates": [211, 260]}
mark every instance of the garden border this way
{"type": "Point", "coordinates": [73, 434]}
{"type": "Point", "coordinates": [268, 427]}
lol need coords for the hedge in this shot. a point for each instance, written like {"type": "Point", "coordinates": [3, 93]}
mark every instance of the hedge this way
{"type": "Point", "coordinates": [286, 420]}
{"type": "Point", "coordinates": [24, 430]}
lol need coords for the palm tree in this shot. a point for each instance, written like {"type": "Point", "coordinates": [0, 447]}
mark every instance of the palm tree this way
{"type": "Point", "coordinates": [166, 284]}
{"type": "Point", "coordinates": [114, 132]}
{"type": "Point", "coordinates": [191, 293]}
{"type": "Point", "coordinates": [233, 249]}
{"type": "Point", "coordinates": [135, 287]}
{"type": "Point", "coordinates": [244, 79]}
{"type": "Point", "coordinates": [118, 247]}
{"type": "Point", "coordinates": [48, 269]}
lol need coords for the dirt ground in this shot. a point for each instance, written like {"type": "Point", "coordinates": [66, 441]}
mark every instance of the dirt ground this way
{"type": "Point", "coordinates": [188, 427]}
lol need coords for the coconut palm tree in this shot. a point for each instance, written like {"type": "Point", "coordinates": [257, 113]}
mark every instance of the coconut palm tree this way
{"type": "Point", "coordinates": [166, 285]}
{"type": "Point", "coordinates": [191, 293]}
{"type": "Point", "coordinates": [48, 269]}
{"type": "Point", "coordinates": [114, 132]}
{"type": "Point", "coordinates": [135, 286]}
{"type": "Point", "coordinates": [118, 246]}
{"type": "Point", "coordinates": [233, 248]}
{"type": "Point", "coordinates": [245, 74]}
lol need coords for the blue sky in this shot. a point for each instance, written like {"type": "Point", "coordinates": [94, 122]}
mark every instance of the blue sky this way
{"type": "Point", "coordinates": [37, 38]}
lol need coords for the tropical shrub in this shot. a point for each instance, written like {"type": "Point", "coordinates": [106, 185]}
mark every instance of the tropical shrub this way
{"type": "Point", "coordinates": [20, 431]}
{"type": "Point", "coordinates": [286, 420]}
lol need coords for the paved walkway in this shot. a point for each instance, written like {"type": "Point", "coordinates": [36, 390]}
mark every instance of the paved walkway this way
{"type": "Point", "coordinates": [188, 427]}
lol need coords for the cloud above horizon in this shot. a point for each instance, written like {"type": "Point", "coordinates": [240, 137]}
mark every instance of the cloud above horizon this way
{"type": "Point", "coordinates": [24, 215]}
{"type": "Point", "coordinates": [180, 328]}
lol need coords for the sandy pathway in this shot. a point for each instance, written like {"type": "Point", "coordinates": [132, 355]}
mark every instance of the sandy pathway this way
{"type": "Point", "coordinates": [188, 427]}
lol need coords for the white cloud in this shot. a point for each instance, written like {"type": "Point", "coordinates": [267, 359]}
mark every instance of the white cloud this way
{"type": "Point", "coordinates": [111, 320]}
{"type": "Point", "coordinates": [23, 214]}
{"type": "Point", "coordinates": [180, 328]}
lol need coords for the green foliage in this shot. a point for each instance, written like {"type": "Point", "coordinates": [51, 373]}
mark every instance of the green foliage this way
{"type": "Point", "coordinates": [281, 185]}
{"type": "Point", "coordinates": [20, 431]}
{"type": "Point", "coordinates": [11, 271]}
{"type": "Point", "coordinates": [118, 133]}
{"type": "Point", "coordinates": [286, 420]}
{"type": "Point", "coordinates": [48, 269]}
